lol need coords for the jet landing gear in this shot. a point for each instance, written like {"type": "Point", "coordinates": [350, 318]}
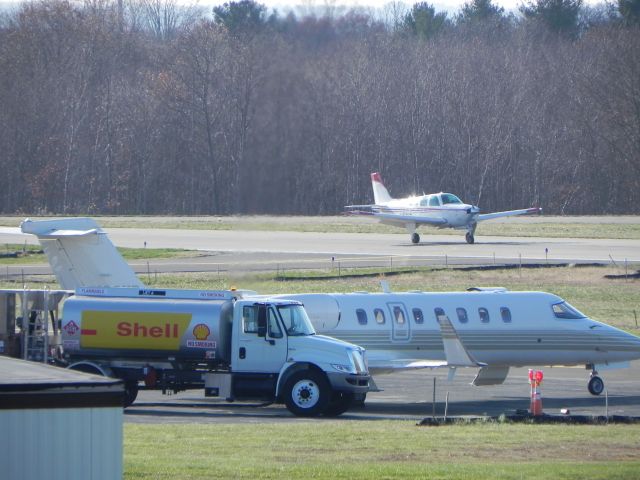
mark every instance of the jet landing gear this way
{"type": "Point", "coordinates": [596, 384]}
{"type": "Point", "coordinates": [415, 238]}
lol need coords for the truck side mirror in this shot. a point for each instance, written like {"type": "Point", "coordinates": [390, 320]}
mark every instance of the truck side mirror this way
{"type": "Point", "coordinates": [262, 321]}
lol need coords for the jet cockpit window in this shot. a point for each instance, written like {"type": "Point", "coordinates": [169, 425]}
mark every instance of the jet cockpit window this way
{"type": "Point", "coordinates": [362, 316]}
{"type": "Point", "coordinates": [434, 201]}
{"type": "Point", "coordinates": [506, 314]}
{"type": "Point", "coordinates": [418, 317]}
{"type": "Point", "coordinates": [566, 311]}
{"type": "Point", "coordinates": [450, 198]}
{"type": "Point", "coordinates": [484, 315]}
{"type": "Point", "coordinates": [379, 315]}
{"type": "Point", "coordinates": [462, 315]}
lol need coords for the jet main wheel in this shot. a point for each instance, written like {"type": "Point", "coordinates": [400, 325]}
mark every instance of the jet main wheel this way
{"type": "Point", "coordinates": [469, 238]}
{"type": "Point", "coordinates": [415, 238]}
{"type": "Point", "coordinates": [596, 385]}
{"type": "Point", "coordinates": [307, 393]}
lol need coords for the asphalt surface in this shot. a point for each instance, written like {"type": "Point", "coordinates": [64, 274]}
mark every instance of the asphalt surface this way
{"type": "Point", "coordinates": [409, 396]}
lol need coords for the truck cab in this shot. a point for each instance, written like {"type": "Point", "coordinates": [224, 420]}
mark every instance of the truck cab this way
{"type": "Point", "coordinates": [276, 350]}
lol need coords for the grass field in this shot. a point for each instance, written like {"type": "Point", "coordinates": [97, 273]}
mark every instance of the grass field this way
{"type": "Point", "coordinates": [381, 450]}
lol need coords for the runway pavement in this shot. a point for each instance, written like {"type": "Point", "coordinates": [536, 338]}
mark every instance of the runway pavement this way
{"type": "Point", "coordinates": [409, 396]}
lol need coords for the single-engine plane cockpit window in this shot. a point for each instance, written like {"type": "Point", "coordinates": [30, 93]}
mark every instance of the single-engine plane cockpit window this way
{"type": "Point", "coordinates": [449, 198]}
{"type": "Point", "coordinates": [434, 201]}
{"type": "Point", "coordinates": [362, 316]}
{"type": "Point", "coordinates": [566, 311]}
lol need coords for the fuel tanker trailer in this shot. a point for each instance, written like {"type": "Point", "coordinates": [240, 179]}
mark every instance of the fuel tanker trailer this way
{"type": "Point", "coordinates": [231, 344]}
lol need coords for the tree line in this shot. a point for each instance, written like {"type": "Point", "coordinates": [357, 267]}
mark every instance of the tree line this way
{"type": "Point", "coordinates": [147, 107]}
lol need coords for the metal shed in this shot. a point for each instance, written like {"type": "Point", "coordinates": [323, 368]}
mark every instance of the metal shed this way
{"type": "Point", "coordinates": [58, 424]}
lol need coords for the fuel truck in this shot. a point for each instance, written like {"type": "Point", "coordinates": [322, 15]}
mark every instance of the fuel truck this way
{"type": "Point", "coordinates": [232, 344]}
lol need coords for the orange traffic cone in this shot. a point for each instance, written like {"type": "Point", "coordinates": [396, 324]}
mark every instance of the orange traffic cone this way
{"type": "Point", "coordinates": [536, 403]}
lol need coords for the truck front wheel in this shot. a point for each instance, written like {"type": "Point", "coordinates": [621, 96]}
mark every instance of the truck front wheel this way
{"type": "Point", "coordinates": [307, 393]}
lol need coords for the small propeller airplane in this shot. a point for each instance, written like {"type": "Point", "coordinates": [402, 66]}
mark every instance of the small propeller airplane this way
{"type": "Point", "coordinates": [442, 210]}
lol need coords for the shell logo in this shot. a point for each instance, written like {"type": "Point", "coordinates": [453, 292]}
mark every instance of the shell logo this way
{"type": "Point", "coordinates": [201, 331]}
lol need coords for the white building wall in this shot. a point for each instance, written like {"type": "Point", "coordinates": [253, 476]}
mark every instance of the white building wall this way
{"type": "Point", "coordinates": [61, 444]}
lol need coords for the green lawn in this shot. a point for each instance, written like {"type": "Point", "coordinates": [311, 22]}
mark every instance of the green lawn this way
{"type": "Point", "coordinates": [349, 449]}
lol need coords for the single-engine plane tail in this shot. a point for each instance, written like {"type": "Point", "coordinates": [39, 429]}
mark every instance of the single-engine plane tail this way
{"type": "Point", "coordinates": [380, 192]}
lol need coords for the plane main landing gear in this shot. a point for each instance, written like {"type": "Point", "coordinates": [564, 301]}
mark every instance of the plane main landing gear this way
{"type": "Point", "coordinates": [596, 384]}
{"type": "Point", "coordinates": [469, 238]}
{"type": "Point", "coordinates": [415, 238]}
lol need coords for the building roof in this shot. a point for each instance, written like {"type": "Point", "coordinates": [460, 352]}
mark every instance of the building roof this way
{"type": "Point", "coordinates": [26, 384]}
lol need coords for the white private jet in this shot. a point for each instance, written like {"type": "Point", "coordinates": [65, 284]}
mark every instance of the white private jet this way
{"type": "Point", "coordinates": [489, 329]}
{"type": "Point", "coordinates": [442, 210]}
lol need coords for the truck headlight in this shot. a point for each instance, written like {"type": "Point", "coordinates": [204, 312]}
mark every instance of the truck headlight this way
{"type": "Point", "coordinates": [357, 357]}
{"type": "Point", "coordinates": [342, 368]}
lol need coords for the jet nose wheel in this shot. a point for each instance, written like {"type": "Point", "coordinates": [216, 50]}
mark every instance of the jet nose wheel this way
{"type": "Point", "coordinates": [596, 385]}
{"type": "Point", "coordinates": [415, 238]}
{"type": "Point", "coordinates": [469, 238]}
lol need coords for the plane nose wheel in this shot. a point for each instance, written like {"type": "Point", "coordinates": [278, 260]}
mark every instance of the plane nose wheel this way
{"type": "Point", "coordinates": [469, 238]}
{"type": "Point", "coordinates": [595, 385]}
{"type": "Point", "coordinates": [415, 238]}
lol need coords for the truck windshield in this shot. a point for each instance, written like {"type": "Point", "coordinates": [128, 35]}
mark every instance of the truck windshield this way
{"type": "Point", "coordinates": [295, 319]}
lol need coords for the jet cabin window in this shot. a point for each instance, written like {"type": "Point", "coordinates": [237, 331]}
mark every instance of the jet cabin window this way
{"type": "Point", "coordinates": [362, 316]}
{"type": "Point", "coordinates": [462, 315]}
{"type": "Point", "coordinates": [418, 317]}
{"type": "Point", "coordinates": [566, 311]}
{"type": "Point", "coordinates": [449, 198]}
{"type": "Point", "coordinates": [484, 315]}
{"type": "Point", "coordinates": [398, 313]}
{"type": "Point", "coordinates": [379, 314]}
{"type": "Point", "coordinates": [506, 314]}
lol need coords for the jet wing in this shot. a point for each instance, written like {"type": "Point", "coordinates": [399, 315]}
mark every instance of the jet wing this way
{"type": "Point", "coordinates": [526, 211]}
{"type": "Point", "coordinates": [455, 352]}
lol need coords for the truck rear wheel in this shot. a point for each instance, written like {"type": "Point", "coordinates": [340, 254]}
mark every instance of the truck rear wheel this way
{"type": "Point", "coordinates": [130, 392]}
{"type": "Point", "coordinates": [306, 393]}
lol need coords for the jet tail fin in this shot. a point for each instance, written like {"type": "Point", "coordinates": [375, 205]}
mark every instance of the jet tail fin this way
{"type": "Point", "coordinates": [81, 254]}
{"type": "Point", "coordinates": [380, 192]}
